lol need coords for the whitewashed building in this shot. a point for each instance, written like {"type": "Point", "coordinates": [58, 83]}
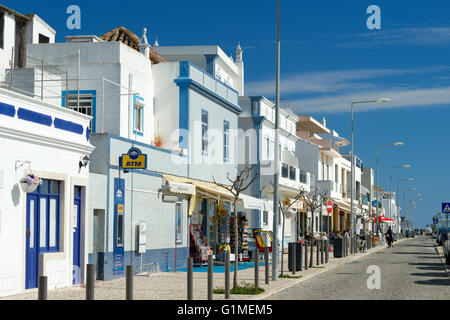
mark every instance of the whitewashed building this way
{"type": "Point", "coordinates": [42, 232]}
{"type": "Point", "coordinates": [257, 123]}
{"type": "Point", "coordinates": [43, 220]}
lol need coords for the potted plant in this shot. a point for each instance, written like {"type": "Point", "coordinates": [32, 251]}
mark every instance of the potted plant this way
{"type": "Point", "coordinates": [158, 141]}
{"type": "Point", "coordinates": [30, 182]}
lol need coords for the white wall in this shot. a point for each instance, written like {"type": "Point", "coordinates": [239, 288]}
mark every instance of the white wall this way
{"type": "Point", "coordinates": [54, 154]}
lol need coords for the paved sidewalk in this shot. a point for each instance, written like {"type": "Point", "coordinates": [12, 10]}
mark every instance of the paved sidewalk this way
{"type": "Point", "coordinates": [173, 286]}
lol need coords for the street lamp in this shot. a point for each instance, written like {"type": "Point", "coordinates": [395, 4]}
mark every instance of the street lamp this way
{"type": "Point", "coordinates": [390, 185]}
{"type": "Point", "coordinates": [404, 199]}
{"type": "Point", "coordinates": [413, 202]}
{"type": "Point", "coordinates": [397, 201]}
{"type": "Point", "coordinates": [396, 144]}
{"type": "Point", "coordinates": [381, 100]}
{"type": "Point", "coordinates": [275, 252]}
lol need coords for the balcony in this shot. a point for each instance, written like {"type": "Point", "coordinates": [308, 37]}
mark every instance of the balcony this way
{"type": "Point", "coordinates": [212, 84]}
{"type": "Point", "coordinates": [334, 189]}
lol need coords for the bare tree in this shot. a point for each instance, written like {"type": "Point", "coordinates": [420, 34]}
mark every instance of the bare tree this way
{"type": "Point", "coordinates": [244, 179]}
{"type": "Point", "coordinates": [313, 200]}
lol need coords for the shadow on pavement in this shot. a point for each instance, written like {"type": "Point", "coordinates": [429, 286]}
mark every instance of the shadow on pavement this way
{"type": "Point", "coordinates": [425, 264]}
{"type": "Point", "coordinates": [431, 274]}
{"type": "Point", "coordinates": [430, 268]}
{"type": "Point", "coordinates": [435, 282]}
{"type": "Point", "coordinates": [430, 253]}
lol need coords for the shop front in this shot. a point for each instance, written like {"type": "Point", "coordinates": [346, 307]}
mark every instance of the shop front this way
{"type": "Point", "coordinates": [212, 221]}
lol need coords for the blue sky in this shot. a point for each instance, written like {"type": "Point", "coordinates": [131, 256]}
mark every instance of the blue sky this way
{"type": "Point", "coordinates": [329, 58]}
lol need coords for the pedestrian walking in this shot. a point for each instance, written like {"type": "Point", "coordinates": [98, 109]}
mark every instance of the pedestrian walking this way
{"type": "Point", "coordinates": [389, 237]}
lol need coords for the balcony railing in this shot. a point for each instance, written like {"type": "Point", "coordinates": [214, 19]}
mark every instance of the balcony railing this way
{"type": "Point", "coordinates": [214, 85]}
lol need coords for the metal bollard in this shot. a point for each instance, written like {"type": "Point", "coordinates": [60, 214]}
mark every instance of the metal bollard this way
{"type": "Point", "coordinates": [267, 266]}
{"type": "Point", "coordinates": [90, 278]}
{"type": "Point", "coordinates": [317, 252]}
{"type": "Point", "coordinates": [42, 288]}
{"type": "Point", "coordinates": [256, 268]}
{"type": "Point", "coordinates": [294, 258]}
{"type": "Point", "coordinates": [306, 255]}
{"type": "Point", "coordinates": [327, 251]}
{"type": "Point", "coordinates": [129, 283]}
{"type": "Point", "coordinates": [227, 276]}
{"type": "Point", "coordinates": [322, 251]}
{"type": "Point", "coordinates": [190, 279]}
{"type": "Point", "coordinates": [210, 277]}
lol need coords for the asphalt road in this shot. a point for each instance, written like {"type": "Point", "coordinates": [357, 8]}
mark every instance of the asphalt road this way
{"type": "Point", "coordinates": [411, 270]}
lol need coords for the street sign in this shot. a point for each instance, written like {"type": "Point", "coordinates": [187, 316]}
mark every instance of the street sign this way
{"type": "Point", "coordinates": [330, 206]}
{"type": "Point", "coordinates": [435, 221]}
{"type": "Point", "coordinates": [445, 207]}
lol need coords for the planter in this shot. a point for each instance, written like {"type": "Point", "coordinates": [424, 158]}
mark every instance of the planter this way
{"type": "Point", "coordinates": [26, 187]}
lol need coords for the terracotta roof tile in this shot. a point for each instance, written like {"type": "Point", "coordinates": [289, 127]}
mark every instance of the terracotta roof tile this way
{"type": "Point", "coordinates": [130, 39]}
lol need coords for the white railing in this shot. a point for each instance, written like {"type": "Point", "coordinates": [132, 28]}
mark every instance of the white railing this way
{"type": "Point", "coordinates": [214, 85]}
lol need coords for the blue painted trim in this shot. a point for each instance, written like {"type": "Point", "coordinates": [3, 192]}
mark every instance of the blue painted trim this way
{"type": "Point", "coordinates": [184, 117]}
{"type": "Point", "coordinates": [211, 64]}
{"type": "Point", "coordinates": [144, 145]}
{"type": "Point", "coordinates": [252, 101]}
{"type": "Point", "coordinates": [108, 175]}
{"type": "Point", "coordinates": [7, 109]}
{"type": "Point", "coordinates": [68, 126]}
{"type": "Point", "coordinates": [194, 85]}
{"type": "Point", "coordinates": [88, 133]}
{"type": "Point", "coordinates": [185, 81]}
{"type": "Point", "coordinates": [35, 117]}
{"type": "Point", "coordinates": [140, 171]}
{"type": "Point", "coordinates": [141, 134]}
{"type": "Point", "coordinates": [94, 104]}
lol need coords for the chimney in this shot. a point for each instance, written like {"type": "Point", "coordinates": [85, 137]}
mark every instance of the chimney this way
{"type": "Point", "coordinates": [144, 47]}
{"type": "Point", "coordinates": [324, 122]}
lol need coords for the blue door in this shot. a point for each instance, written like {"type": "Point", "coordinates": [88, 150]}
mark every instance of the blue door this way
{"type": "Point", "coordinates": [42, 227]}
{"type": "Point", "coordinates": [76, 235]}
{"type": "Point", "coordinates": [32, 246]}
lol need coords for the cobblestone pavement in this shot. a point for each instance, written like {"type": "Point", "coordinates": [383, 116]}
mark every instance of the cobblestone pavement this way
{"type": "Point", "coordinates": [412, 270]}
{"type": "Point", "coordinates": [173, 286]}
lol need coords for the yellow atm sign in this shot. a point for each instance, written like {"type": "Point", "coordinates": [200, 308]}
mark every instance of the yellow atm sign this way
{"type": "Point", "coordinates": [134, 159]}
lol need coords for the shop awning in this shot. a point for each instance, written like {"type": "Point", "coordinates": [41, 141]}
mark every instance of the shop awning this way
{"type": "Point", "coordinates": [253, 203]}
{"type": "Point", "coordinates": [180, 188]}
{"type": "Point", "coordinates": [211, 190]}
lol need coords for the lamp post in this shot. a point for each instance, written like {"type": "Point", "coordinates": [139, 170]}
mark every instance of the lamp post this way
{"type": "Point", "coordinates": [396, 144]}
{"type": "Point", "coordinates": [390, 186]}
{"type": "Point", "coordinates": [382, 100]}
{"type": "Point", "coordinates": [275, 253]}
{"type": "Point", "coordinates": [404, 199]}
{"type": "Point", "coordinates": [413, 202]}
{"type": "Point", "coordinates": [398, 194]}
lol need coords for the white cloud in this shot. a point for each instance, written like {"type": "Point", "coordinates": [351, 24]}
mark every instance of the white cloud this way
{"type": "Point", "coordinates": [332, 81]}
{"type": "Point", "coordinates": [409, 36]}
{"type": "Point", "coordinates": [400, 98]}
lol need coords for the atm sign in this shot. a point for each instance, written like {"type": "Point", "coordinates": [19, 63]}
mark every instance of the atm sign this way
{"type": "Point", "coordinates": [134, 159]}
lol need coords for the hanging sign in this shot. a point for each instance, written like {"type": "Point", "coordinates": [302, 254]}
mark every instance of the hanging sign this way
{"type": "Point", "coordinates": [134, 159]}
